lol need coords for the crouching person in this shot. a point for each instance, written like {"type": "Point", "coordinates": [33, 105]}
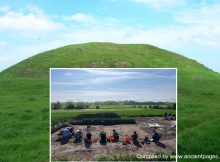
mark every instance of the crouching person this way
{"type": "Point", "coordinates": [71, 131]}
{"type": "Point", "coordinates": [156, 136]}
{"type": "Point", "coordinates": [134, 137]}
{"type": "Point", "coordinates": [103, 140]}
{"type": "Point", "coordinates": [66, 136]}
{"type": "Point", "coordinates": [78, 135]}
{"type": "Point", "coordinates": [116, 136]}
{"type": "Point", "coordinates": [87, 142]}
{"type": "Point", "coordinates": [89, 132]}
{"type": "Point", "coordinates": [145, 141]}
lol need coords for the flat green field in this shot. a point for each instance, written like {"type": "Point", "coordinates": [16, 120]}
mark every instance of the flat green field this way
{"type": "Point", "coordinates": [122, 110]}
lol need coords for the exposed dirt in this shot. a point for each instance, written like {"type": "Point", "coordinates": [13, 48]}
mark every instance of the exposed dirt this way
{"type": "Point", "coordinates": [144, 127]}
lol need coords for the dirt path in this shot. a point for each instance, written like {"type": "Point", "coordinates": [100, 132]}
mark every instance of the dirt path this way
{"type": "Point", "coordinates": [73, 151]}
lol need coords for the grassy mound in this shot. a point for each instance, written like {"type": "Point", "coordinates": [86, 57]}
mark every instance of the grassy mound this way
{"type": "Point", "coordinates": [24, 96]}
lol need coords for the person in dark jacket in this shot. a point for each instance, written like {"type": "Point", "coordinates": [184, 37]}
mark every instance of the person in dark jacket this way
{"type": "Point", "coordinates": [78, 135]}
{"type": "Point", "coordinates": [156, 136]}
{"type": "Point", "coordinates": [66, 136]}
{"type": "Point", "coordinates": [145, 141]}
{"type": "Point", "coordinates": [103, 137]}
{"type": "Point", "coordinates": [71, 129]}
{"type": "Point", "coordinates": [89, 132]}
{"type": "Point", "coordinates": [134, 137]}
{"type": "Point", "coordinates": [116, 135]}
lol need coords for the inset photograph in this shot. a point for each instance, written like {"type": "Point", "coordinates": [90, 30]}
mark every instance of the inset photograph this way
{"type": "Point", "coordinates": [113, 114]}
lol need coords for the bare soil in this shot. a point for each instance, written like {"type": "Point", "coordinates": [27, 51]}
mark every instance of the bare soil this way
{"type": "Point", "coordinates": [144, 127]}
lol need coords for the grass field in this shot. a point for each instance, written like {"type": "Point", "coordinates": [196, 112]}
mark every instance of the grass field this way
{"type": "Point", "coordinates": [122, 110]}
{"type": "Point", "coordinates": [24, 97]}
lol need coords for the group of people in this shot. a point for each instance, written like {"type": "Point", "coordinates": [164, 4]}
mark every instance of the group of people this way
{"type": "Point", "coordinates": [113, 138]}
{"type": "Point", "coordinates": [67, 133]}
{"type": "Point", "coordinates": [169, 116]}
{"type": "Point", "coordinates": [134, 137]}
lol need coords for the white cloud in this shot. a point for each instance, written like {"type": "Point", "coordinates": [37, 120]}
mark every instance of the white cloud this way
{"type": "Point", "coordinates": [68, 74]}
{"type": "Point", "coordinates": [106, 76]}
{"type": "Point", "coordinates": [107, 72]}
{"type": "Point", "coordinates": [3, 58]}
{"type": "Point", "coordinates": [97, 80]}
{"type": "Point", "coordinates": [202, 25]}
{"type": "Point", "coordinates": [32, 21]}
{"type": "Point", "coordinates": [158, 4]}
{"type": "Point", "coordinates": [127, 74]}
{"type": "Point", "coordinates": [36, 10]}
{"type": "Point", "coordinates": [2, 43]}
{"type": "Point", "coordinates": [102, 95]}
{"type": "Point", "coordinates": [4, 9]}
{"type": "Point", "coordinates": [202, 15]}
{"type": "Point", "coordinates": [162, 37]}
{"type": "Point", "coordinates": [88, 20]}
{"type": "Point", "coordinates": [81, 17]}
{"type": "Point", "coordinates": [192, 27]}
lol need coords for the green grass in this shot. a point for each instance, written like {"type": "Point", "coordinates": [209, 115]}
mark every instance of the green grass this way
{"type": "Point", "coordinates": [65, 115]}
{"type": "Point", "coordinates": [24, 99]}
{"type": "Point", "coordinates": [24, 120]}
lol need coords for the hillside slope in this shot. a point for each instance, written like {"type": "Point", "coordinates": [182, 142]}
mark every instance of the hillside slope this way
{"type": "Point", "coordinates": [24, 96]}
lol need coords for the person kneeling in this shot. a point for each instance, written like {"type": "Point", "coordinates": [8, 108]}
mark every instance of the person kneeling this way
{"type": "Point", "coordinates": [66, 136]}
{"type": "Point", "coordinates": [78, 135]}
{"type": "Point", "coordinates": [103, 137]}
{"type": "Point", "coordinates": [145, 141]}
{"type": "Point", "coordinates": [87, 142]}
{"type": "Point", "coordinates": [116, 136]}
{"type": "Point", "coordinates": [156, 136]}
{"type": "Point", "coordinates": [135, 137]}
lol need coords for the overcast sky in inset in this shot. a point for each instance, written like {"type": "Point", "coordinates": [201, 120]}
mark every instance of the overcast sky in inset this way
{"type": "Point", "coordinates": [90, 85]}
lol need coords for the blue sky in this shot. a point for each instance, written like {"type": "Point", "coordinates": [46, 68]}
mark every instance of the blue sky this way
{"type": "Point", "coordinates": [113, 84]}
{"type": "Point", "coordinates": [188, 27]}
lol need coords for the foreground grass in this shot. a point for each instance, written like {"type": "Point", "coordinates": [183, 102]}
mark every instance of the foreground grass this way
{"type": "Point", "coordinates": [24, 120]}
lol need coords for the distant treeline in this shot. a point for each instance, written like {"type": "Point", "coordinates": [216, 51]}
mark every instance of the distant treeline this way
{"type": "Point", "coordinates": [97, 105]}
{"type": "Point", "coordinates": [69, 105]}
